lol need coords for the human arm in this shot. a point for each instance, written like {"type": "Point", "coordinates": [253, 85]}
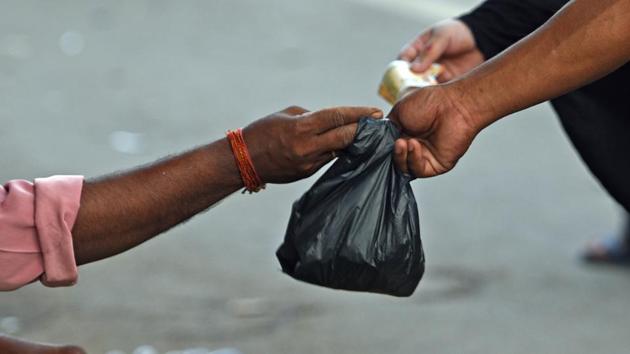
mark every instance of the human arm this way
{"type": "Point", "coordinates": [462, 43]}
{"type": "Point", "coordinates": [123, 210]}
{"type": "Point", "coordinates": [581, 43]}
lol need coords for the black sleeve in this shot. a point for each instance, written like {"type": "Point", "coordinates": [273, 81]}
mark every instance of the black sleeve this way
{"type": "Point", "coordinates": [497, 24]}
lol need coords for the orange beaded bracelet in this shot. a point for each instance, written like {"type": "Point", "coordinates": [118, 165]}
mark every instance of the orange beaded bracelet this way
{"type": "Point", "coordinates": [251, 179]}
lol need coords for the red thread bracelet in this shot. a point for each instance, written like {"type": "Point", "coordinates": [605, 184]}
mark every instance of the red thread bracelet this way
{"type": "Point", "coordinates": [251, 179]}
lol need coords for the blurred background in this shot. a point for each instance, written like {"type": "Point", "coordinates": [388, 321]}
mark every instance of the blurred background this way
{"type": "Point", "coordinates": [92, 87]}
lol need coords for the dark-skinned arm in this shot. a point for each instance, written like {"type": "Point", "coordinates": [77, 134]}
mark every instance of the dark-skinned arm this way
{"type": "Point", "coordinates": [121, 211]}
{"type": "Point", "coordinates": [581, 43]}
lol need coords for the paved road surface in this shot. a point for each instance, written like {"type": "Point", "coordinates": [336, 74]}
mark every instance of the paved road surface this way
{"type": "Point", "coordinates": [92, 87]}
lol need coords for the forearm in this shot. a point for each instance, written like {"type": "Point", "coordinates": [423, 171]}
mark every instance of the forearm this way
{"type": "Point", "coordinates": [583, 42]}
{"type": "Point", "coordinates": [121, 211]}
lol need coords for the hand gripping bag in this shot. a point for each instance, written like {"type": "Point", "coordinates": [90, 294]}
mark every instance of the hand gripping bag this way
{"type": "Point", "coordinates": [357, 227]}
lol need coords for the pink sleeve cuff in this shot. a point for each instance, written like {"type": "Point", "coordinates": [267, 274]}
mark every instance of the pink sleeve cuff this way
{"type": "Point", "coordinates": [57, 201]}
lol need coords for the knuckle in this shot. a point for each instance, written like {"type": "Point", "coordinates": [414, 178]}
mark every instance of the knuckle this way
{"type": "Point", "coordinates": [294, 110]}
{"type": "Point", "coordinates": [337, 118]}
{"type": "Point", "coordinates": [302, 126]}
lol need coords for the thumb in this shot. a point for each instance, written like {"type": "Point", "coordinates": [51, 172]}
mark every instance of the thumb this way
{"type": "Point", "coordinates": [403, 108]}
{"type": "Point", "coordinates": [393, 114]}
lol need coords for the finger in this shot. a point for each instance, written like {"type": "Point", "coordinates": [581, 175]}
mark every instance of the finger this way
{"type": "Point", "coordinates": [431, 53]}
{"type": "Point", "coordinates": [332, 118]}
{"type": "Point", "coordinates": [420, 160]}
{"type": "Point", "coordinates": [444, 76]}
{"type": "Point", "coordinates": [423, 39]}
{"type": "Point", "coordinates": [336, 139]}
{"type": "Point", "coordinates": [400, 155]}
{"type": "Point", "coordinates": [415, 160]}
{"type": "Point", "coordinates": [408, 53]}
{"type": "Point", "coordinates": [412, 49]}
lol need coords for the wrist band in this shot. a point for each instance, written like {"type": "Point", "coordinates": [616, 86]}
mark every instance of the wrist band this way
{"type": "Point", "coordinates": [251, 180]}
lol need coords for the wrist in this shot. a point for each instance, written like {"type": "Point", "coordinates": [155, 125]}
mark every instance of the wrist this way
{"type": "Point", "coordinates": [473, 103]}
{"type": "Point", "coordinates": [242, 158]}
{"type": "Point", "coordinates": [227, 164]}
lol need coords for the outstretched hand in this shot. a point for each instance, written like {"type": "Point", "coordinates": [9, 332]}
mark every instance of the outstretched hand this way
{"type": "Point", "coordinates": [436, 131]}
{"type": "Point", "coordinates": [294, 143]}
{"type": "Point", "coordinates": [449, 43]}
{"type": "Point", "coordinates": [436, 126]}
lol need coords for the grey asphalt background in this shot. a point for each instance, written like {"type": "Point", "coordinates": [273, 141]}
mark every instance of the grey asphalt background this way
{"type": "Point", "coordinates": [94, 87]}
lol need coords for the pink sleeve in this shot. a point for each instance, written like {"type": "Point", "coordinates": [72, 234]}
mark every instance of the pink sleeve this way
{"type": "Point", "coordinates": [36, 221]}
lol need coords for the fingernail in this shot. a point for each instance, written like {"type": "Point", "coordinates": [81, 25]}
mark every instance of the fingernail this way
{"type": "Point", "coordinates": [410, 148]}
{"type": "Point", "coordinates": [377, 114]}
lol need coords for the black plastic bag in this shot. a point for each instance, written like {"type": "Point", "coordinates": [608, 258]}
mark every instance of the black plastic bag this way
{"type": "Point", "coordinates": [357, 227]}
